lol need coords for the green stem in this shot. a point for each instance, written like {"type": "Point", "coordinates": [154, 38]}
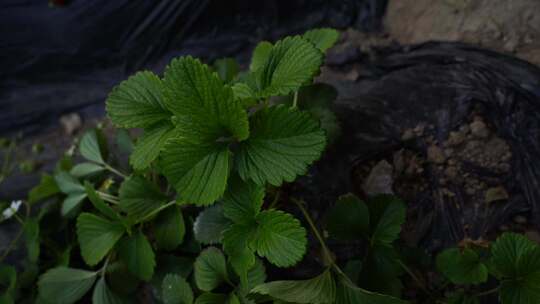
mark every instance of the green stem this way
{"type": "Point", "coordinates": [487, 292]}
{"type": "Point", "coordinates": [414, 276]}
{"type": "Point", "coordinates": [113, 170]}
{"type": "Point", "coordinates": [275, 200]}
{"type": "Point", "coordinates": [18, 218]}
{"type": "Point", "coordinates": [156, 211]}
{"type": "Point", "coordinates": [295, 100]}
{"type": "Point", "coordinates": [103, 270]}
{"type": "Point", "coordinates": [316, 232]}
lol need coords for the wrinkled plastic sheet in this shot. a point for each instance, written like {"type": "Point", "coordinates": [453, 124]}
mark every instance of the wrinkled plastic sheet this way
{"type": "Point", "coordinates": [61, 59]}
{"type": "Point", "coordinates": [438, 84]}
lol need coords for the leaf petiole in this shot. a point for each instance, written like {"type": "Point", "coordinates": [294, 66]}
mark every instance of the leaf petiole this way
{"type": "Point", "coordinates": [113, 170]}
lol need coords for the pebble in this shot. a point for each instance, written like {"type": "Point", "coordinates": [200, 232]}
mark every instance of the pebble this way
{"type": "Point", "coordinates": [71, 123]}
{"type": "Point", "coordinates": [520, 219]}
{"type": "Point", "coordinates": [435, 155]}
{"type": "Point", "coordinates": [419, 130]}
{"type": "Point", "coordinates": [456, 138]}
{"type": "Point", "coordinates": [479, 129]}
{"type": "Point", "coordinates": [407, 135]}
{"type": "Point", "coordinates": [496, 194]}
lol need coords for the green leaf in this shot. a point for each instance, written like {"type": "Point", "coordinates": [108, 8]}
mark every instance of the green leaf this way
{"type": "Point", "coordinates": [347, 293]}
{"type": "Point", "coordinates": [201, 101]}
{"type": "Point", "coordinates": [197, 170]}
{"type": "Point", "coordinates": [97, 236]}
{"type": "Point", "coordinates": [381, 270]}
{"type": "Point", "coordinates": [139, 198]}
{"type": "Point", "coordinates": [137, 253]}
{"type": "Point", "coordinates": [319, 290]}
{"type": "Point", "coordinates": [8, 278]}
{"type": "Point", "coordinates": [68, 184]}
{"type": "Point", "coordinates": [138, 102]}
{"type": "Point", "coordinates": [236, 241]}
{"type": "Point", "coordinates": [387, 214]}
{"type": "Point", "coordinates": [348, 219]}
{"type": "Point", "coordinates": [46, 188]}
{"type": "Point", "coordinates": [210, 269]}
{"type": "Point", "coordinates": [150, 144]}
{"type": "Point", "coordinates": [210, 224]}
{"type": "Point", "coordinates": [85, 169]}
{"type": "Point", "coordinates": [212, 298]}
{"type": "Point", "coordinates": [72, 203]}
{"type": "Point", "coordinates": [124, 142]}
{"type": "Point", "coordinates": [517, 259]}
{"type": "Point", "coordinates": [103, 295]}
{"type": "Point", "coordinates": [255, 276]}
{"type": "Point", "coordinates": [227, 69]}
{"type": "Point", "coordinates": [242, 200]}
{"type": "Point", "coordinates": [282, 144]}
{"type": "Point", "coordinates": [169, 228]}
{"type": "Point", "coordinates": [323, 38]}
{"type": "Point", "coordinates": [65, 285]}
{"type": "Point", "coordinates": [98, 203]}
{"type": "Point", "coordinates": [260, 55]}
{"type": "Point", "coordinates": [176, 290]}
{"type": "Point", "coordinates": [280, 238]}
{"type": "Point", "coordinates": [462, 267]}
{"type": "Point", "coordinates": [31, 239]}
{"type": "Point", "coordinates": [90, 148]}
{"type": "Point", "coordinates": [291, 63]}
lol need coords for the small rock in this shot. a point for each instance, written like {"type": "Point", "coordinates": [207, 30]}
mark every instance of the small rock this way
{"type": "Point", "coordinates": [533, 235]}
{"type": "Point", "coordinates": [71, 123]}
{"type": "Point", "coordinates": [419, 130]}
{"type": "Point", "coordinates": [520, 219]}
{"type": "Point", "coordinates": [456, 138]}
{"type": "Point", "coordinates": [451, 172]}
{"type": "Point", "coordinates": [379, 180]}
{"type": "Point", "coordinates": [479, 129]}
{"type": "Point", "coordinates": [452, 162]}
{"type": "Point", "coordinates": [407, 135]}
{"type": "Point", "coordinates": [435, 155]}
{"type": "Point", "coordinates": [496, 194]}
{"type": "Point", "coordinates": [464, 129]}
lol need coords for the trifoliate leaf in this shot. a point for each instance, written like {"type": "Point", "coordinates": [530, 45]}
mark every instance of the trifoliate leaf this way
{"type": "Point", "coordinates": [85, 169]}
{"type": "Point", "coordinates": [280, 238]}
{"type": "Point", "coordinates": [319, 290]}
{"type": "Point", "coordinates": [260, 55]}
{"type": "Point", "coordinates": [387, 214]}
{"type": "Point", "coordinates": [323, 38]}
{"type": "Point", "coordinates": [68, 184]}
{"type": "Point", "coordinates": [98, 203]}
{"type": "Point", "coordinates": [137, 254]}
{"type": "Point", "coordinates": [72, 203]}
{"type": "Point", "coordinates": [46, 188]}
{"type": "Point", "coordinates": [150, 144]}
{"type": "Point", "coordinates": [169, 228]}
{"type": "Point", "coordinates": [90, 147]}
{"type": "Point", "coordinates": [103, 295]}
{"type": "Point", "coordinates": [517, 259]}
{"type": "Point", "coordinates": [176, 290]}
{"type": "Point", "coordinates": [65, 285]}
{"type": "Point", "coordinates": [227, 69]}
{"type": "Point", "coordinates": [242, 200]}
{"type": "Point", "coordinates": [201, 101]}
{"type": "Point", "coordinates": [462, 267]}
{"type": "Point", "coordinates": [210, 224]}
{"type": "Point", "coordinates": [97, 236]}
{"type": "Point", "coordinates": [236, 241]}
{"type": "Point", "coordinates": [245, 94]}
{"type": "Point", "coordinates": [140, 198]}
{"type": "Point", "coordinates": [210, 269]}
{"type": "Point", "coordinates": [282, 144]}
{"type": "Point", "coordinates": [138, 102]}
{"type": "Point", "coordinates": [347, 293]}
{"type": "Point", "coordinates": [197, 170]}
{"type": "Point", "coordinates": [291, 63]}
{"type": "Point", "coordinates": [348, 219]}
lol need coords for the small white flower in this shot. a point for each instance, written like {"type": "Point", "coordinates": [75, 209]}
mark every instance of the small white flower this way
{"type": "Point", "coordinates": [12, 209]}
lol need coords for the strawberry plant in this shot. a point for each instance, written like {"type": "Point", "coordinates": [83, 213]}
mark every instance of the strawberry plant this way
{"type": "Point", "coordinates": [197, 214]}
